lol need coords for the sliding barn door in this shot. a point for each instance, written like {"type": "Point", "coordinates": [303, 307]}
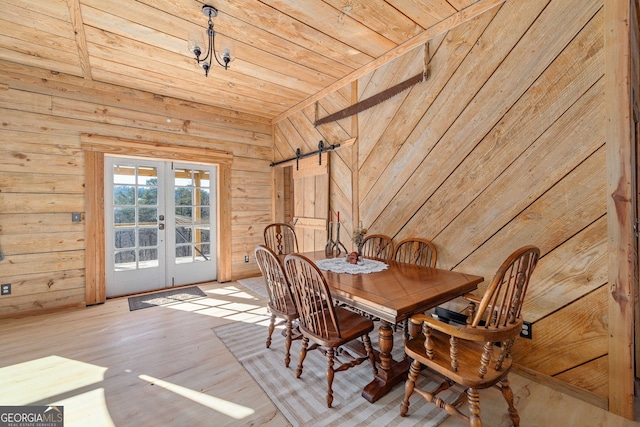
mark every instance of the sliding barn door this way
{"type": "Point", "coordinates": [311, 202]}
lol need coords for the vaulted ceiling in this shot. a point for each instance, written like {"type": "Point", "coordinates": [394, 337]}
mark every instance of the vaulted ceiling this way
{"type": "Point", "coordinates": [284, 52]}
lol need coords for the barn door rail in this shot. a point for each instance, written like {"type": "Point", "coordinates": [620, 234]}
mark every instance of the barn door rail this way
{"type": "Point", "coordinates": [321, 149]}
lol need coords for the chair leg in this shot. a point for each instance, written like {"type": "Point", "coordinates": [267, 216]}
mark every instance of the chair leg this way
{"type": "Point", "coordinates": [473, 398]}
{"type": "Point", "coordinates": [507, 393]}
{"type": "Point", "coordinates": [330, 373]}
{"type": "Point", "coordinates": [409, 387]}
{"type": "Point", "coordinates": [272, 326]}
{"type": "Point", "coordinates": [287, 343]}
{"type": "Point", "coordinates": [303, 354]}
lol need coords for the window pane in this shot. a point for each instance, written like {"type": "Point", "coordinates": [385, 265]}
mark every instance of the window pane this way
{"type": "Point", "coordinates": [148, 258]}
{"type": "Point", "coordinates": [124, 195]}
{"type": "Point", "coordinates": [184, 254]}
{"type": "Point", "coordinates": [202, 178]}
{"type": "Point", "coordinates": [124, 216]}
{"type": "Point", "coordinates": [125, 238]}
{"type": "Point", "coordinates": [202, 216]}
{"type": "Point", "coordinates": [124, 174]}
{"type": "Point", "coordinates": [147, 216]}
{"type": "Point", "coordinates": [203, 197]}
{"type": "Point", "coordinates": [202, 234]}
{"type": "Point", "coordinates": [183, 178]}
{"type": "Point", "coordinates": [202, 252]}
{"type": "Point", "coordinates": [183, 235]}
{"type": "Point", "coordinates": [148, 195]}
{"type": "Point", "coordinates": [147, 175]}
{"type": "Point", "coordinates": [148, 237]}
{"type": "Point", "coordinates": [184, 215]}
{"type": "Point", "coordinates": [125, 260]}
{"type": "Point", "coordinates": [183, 196]}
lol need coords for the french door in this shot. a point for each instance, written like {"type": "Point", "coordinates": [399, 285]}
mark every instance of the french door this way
{"type": "Point", "coordinates": [159, 224]}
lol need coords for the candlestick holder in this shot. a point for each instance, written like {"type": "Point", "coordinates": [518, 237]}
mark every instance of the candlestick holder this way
{"type": "Point", "coordinates": [338, 247]}
{"type": "Point", "coordinates": [328, 249]}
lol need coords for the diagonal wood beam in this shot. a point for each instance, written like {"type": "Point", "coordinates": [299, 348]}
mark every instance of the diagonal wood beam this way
{"type": "Point", "coordinates": [443, 26]}
{"type": "Point", "coordinates": [81, 39]}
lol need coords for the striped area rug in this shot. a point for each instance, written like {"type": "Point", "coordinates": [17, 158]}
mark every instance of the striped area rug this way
{"type": "Point", "coordinates": [303, 401]}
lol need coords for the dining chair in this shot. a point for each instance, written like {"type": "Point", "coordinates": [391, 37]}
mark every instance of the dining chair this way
{"type": "Point", "coordinates": [281, 238]}
{"type": "Point", "coordinates": [476, 355]}
{"type": "Point", "coordinates": [279, 293]}
{"type": "Point", "coordinates": [416, 251]}
{"type": "Point", "coordinates": [328, 326]}
{"type": "Point", "coordinates": [377, 246]}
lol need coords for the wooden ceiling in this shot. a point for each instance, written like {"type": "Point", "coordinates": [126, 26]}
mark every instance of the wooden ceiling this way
{"type": "Point", "coordinates": [285, 52]}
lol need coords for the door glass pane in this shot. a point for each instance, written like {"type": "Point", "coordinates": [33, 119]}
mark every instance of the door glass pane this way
{"type": "Point", "coordinates": [124, 174]}
{"type": "Point", "coordinates": [192, 198]}
{"type": "Point", "coordinates": [183, 235]}
{"type": "Point", "coordinates": [148, 258]}
{"type": "Point", "coordinates": [184, 215]}
{"type": "Point", "coordinates": [124, 195]}
{"type": "Point", "coordinates": [184, 254]}
{"type": "Point", "coordinates": [202, 252]}
{"type": "Point", "coordinates": [148, 237]}
{"type": "Point", "coordinates": [147, 216]}
{"type": "Point", "coordinates": [202, 234]}
{"type": "Point", "coordinates": [202, 216]}
{"type": "Point", "coordinates": [202, 197]}
{"type": "Point", "coordinates": [125, 260]}
{"type": "Point", "coordinates": [125, 238]}
{"type": "Point", "coordinates": [148, 195]}
{"type": "Point", "coordinates": [183, 197]}
{"type": "Point", "coordinates": [124, 216]}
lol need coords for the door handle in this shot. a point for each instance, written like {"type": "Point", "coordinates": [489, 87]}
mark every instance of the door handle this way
{"type": "Point", "coordinates": [161, 226]}
{"type": "Point", "coordinates": [161, 217]}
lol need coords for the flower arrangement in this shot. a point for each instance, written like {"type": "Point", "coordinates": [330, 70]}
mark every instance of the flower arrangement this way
{"type": "Point", "coordinates": [358, 235]}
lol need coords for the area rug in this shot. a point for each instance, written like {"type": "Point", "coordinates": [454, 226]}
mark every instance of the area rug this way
{"type": "Point", "coordinates": [303, 401]}
{"type": "Point", "coordinates": [255, 284]}
{"type": "Point", "coordinates": [165, 297]}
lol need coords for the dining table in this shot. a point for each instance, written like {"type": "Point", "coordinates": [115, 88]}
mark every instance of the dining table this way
{"type": "Point", "coordinates": [393, 294]}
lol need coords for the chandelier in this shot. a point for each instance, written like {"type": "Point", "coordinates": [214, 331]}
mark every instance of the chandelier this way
{"type": "Point", "coordinates": [196, 48]}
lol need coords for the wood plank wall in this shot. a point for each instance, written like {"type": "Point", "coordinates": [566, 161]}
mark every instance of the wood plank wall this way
{"type": "Point", "coordinates": [502, 146]}
{"type": "Point", "coordinates": [42, 174]}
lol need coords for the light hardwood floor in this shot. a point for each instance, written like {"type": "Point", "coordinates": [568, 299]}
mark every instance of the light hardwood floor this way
{"type": "Point", "coordinates": [164, 366]}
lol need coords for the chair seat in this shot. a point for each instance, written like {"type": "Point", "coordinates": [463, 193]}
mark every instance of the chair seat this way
{"type": "Point", "coordinates": [351, 324]}
{"type": "Point", "coordinates": [468, 356]}
{"type": "Point", "coordinates": [291, 313]}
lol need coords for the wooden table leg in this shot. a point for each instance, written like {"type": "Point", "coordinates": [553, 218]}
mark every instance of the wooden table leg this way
{"type": "Point", "coordinates": [390, 372]}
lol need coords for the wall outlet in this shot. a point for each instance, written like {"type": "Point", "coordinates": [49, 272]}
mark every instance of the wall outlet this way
{"type": "Point", "coordinates": [527, 330]}
{"type": "Point", "coordinates": [5, 289]}
{"type": "Point", "coordinates": [246, 258]}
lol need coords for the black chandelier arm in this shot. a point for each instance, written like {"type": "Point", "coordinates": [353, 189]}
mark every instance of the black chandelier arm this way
{"type": "Point", "coordinates": [211, 52]}
{"type": "Point", "coordinates": [211, 38]}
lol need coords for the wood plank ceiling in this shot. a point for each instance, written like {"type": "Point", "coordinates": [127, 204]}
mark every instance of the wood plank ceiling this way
{"type": "Point", "coordinates": [284, 51]}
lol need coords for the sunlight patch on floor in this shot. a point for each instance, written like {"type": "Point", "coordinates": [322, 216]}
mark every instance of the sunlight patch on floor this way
{"type": "Point", "coordinates": [39, 379]}
{"type": "Point", "coordinates": [226, 407]}
{"type": "Point", "coordinates": [87, 408]}
{"type": "Point", "coordinates": [231, 290]}
{"type": "Point", "coordinates": [230, 308]}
